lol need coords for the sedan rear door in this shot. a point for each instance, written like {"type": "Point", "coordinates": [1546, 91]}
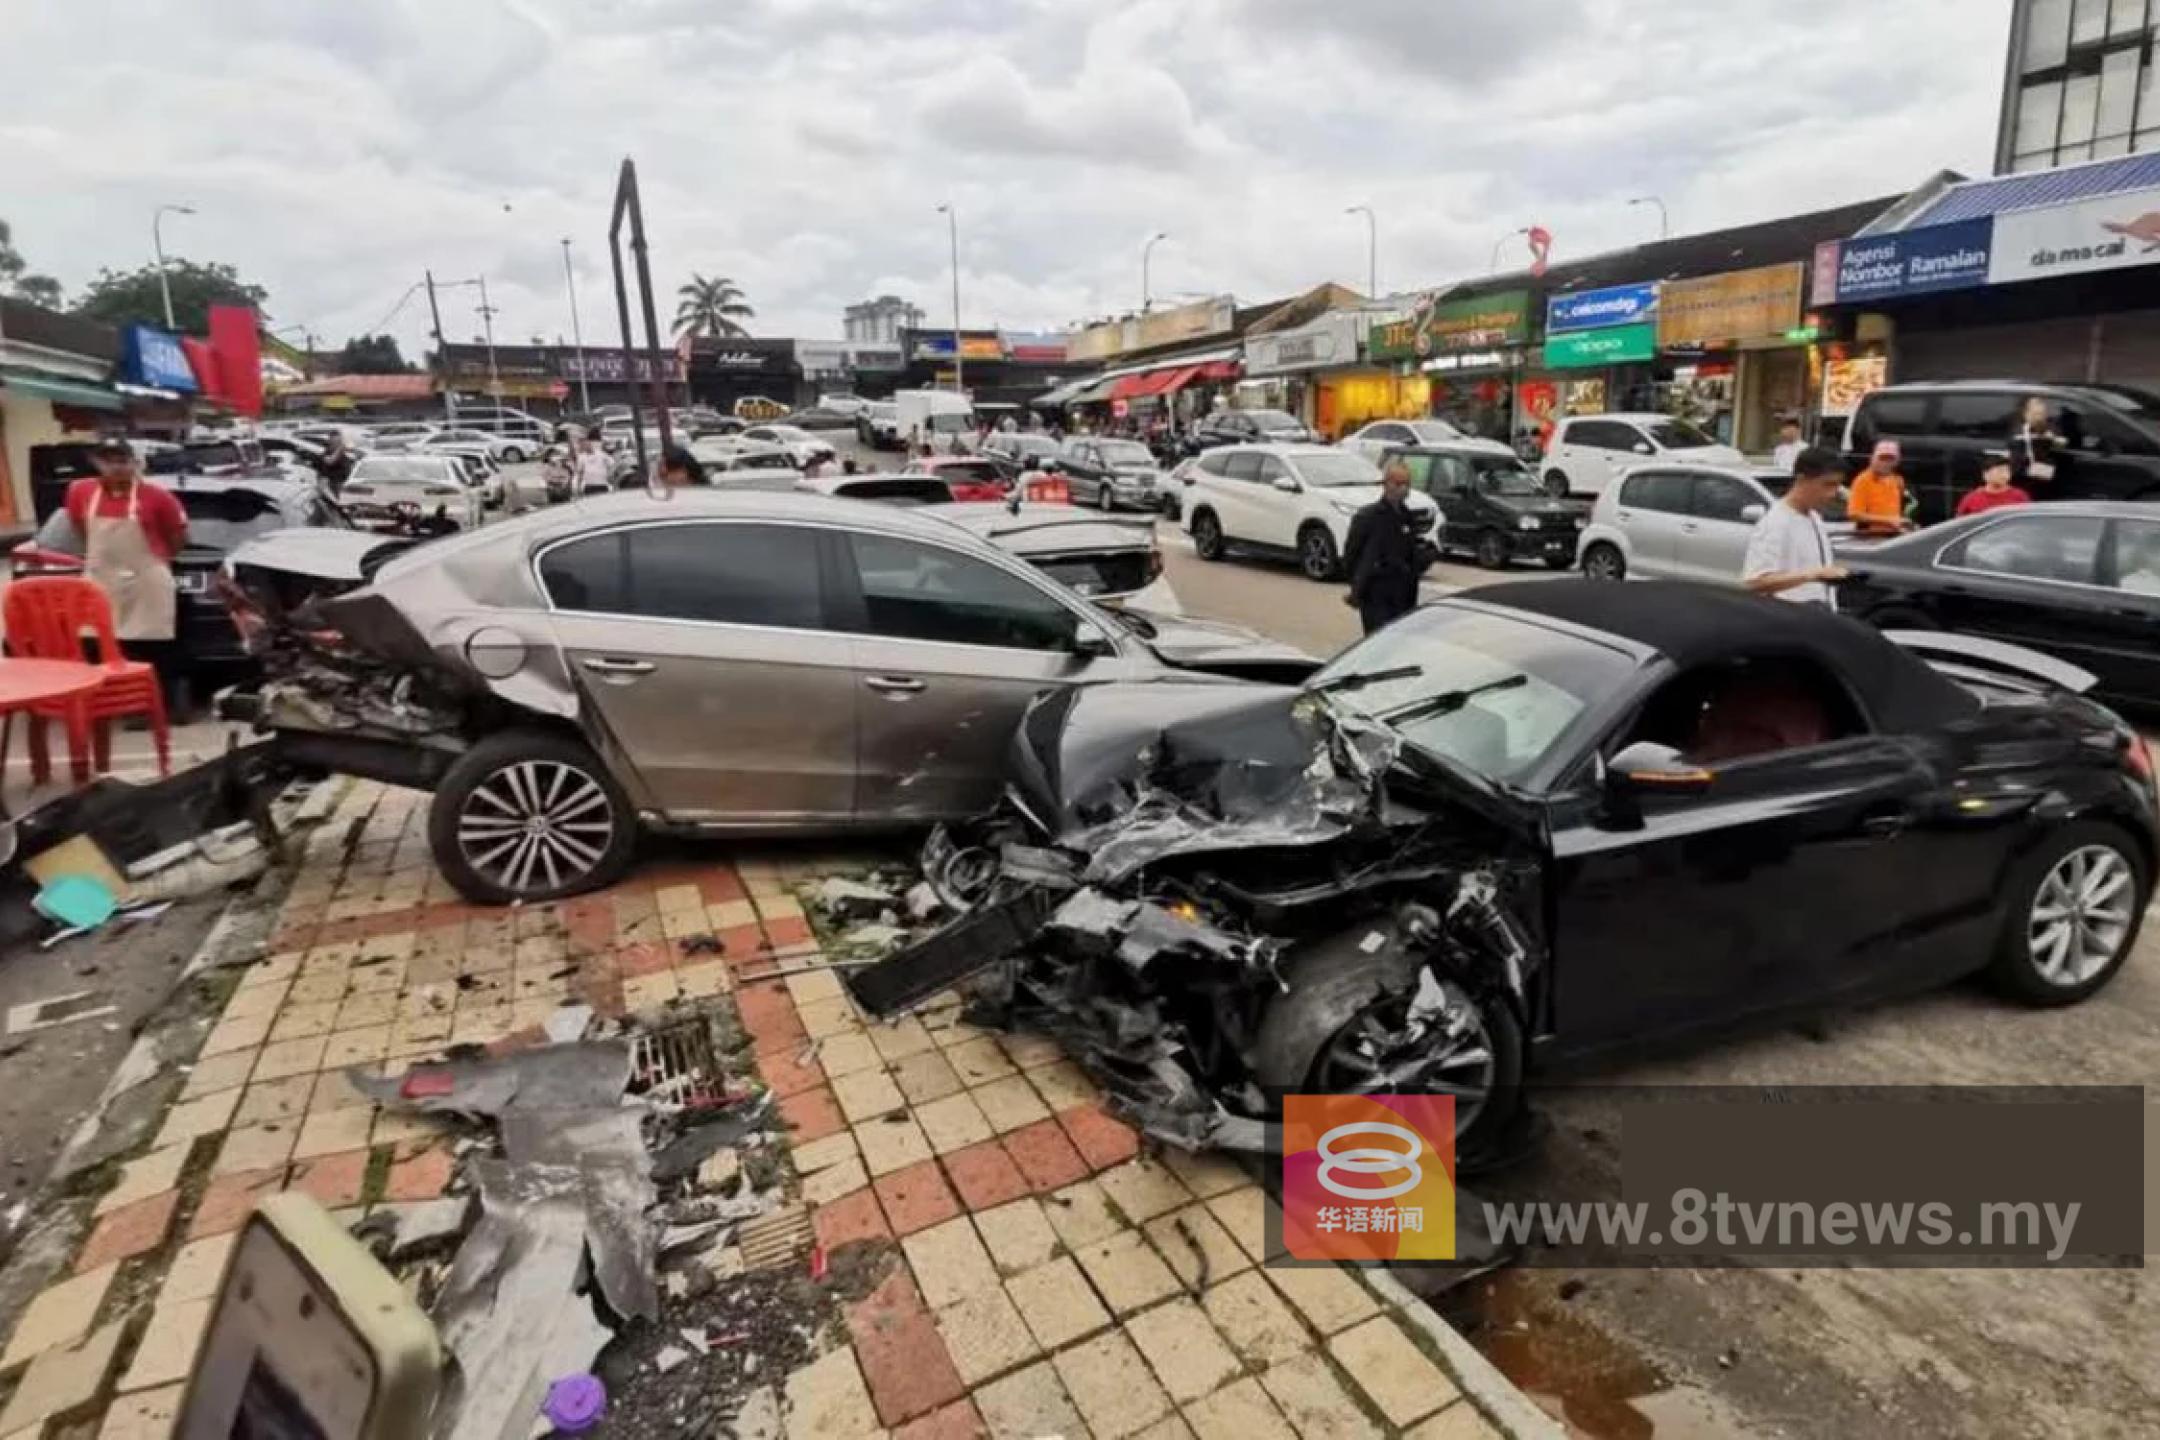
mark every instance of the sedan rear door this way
{"type": "Point", "coordinates": [1713, 538]}
{"type": "Point", "coordinates": [2032, 578]}
{"type": "Point", "coordinates": [949, 648]}
{"type": "Point", "coordinates": [703, 651]}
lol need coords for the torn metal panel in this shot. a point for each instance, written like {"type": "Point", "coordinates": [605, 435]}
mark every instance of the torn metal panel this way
{"type": "Point", "coordinates": [586, 1075]}
{"type": "Point", "coordinates": [968, 945]}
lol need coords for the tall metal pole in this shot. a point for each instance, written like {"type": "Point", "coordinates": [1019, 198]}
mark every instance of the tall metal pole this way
{"type": "Point", "coordinates": [1664, 226]}
{"type": "Point", "coordinates": [487, 324]}
{"type": "Point", "coordinates": [1146, 290]}
{"type": "Point", "coordinates": [1372, 248]}
{"type": "Point", "coordinates": [577, 335]}
{"type": "Point", "coordinates": [1495, 268]}
{"type": "Point", "coordinates": [442, 356]}
{"type": "Point", "coordinates": [157, 243]}
{"type": "Point", "coordinates": [959, 365]}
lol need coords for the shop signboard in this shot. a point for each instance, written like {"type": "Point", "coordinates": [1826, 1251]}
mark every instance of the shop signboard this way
{"type": "Point", "coordinates": [1483, 322]}
{"type": "Point", "coordinates": [152, 357]}
{"type": "Point", "coordinates": [1908, 262]}
{"type": "Point", "coordinates": [2108, 233]}
{"type": "Point", "coordinates": [1330, 340]}
{"type": "Point", "coordinates": [1597, 309]}
{"type": "Point", "coordinates": [1618, 345]}
{"type": "Point", "coordinates": [1846, 381]}
{"type": "Point", "coordinates": [605, 367]}
{"type": "Point", "coordinates": [930, 345]}
{"type": "Point", "coordinates": [1214, 316]}
{"type": "Point", "coordinates": [1737, 305]}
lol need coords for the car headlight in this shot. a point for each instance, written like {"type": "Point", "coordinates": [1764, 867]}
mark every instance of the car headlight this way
{"type": "Point", "coordinates": [1526, 522]}
{"type": "Point", "coordinates": [1581, 521]}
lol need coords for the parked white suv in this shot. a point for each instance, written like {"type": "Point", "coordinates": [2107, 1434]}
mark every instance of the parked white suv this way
{"type": "Point", "coordinates": [1380, 436]}
{"type": "Point", "coordinates": [1682, 522]}
{"type": "Point", "coordinates": [1283, 499]}
{"type": "Point", "coordinates": [1589, 452]}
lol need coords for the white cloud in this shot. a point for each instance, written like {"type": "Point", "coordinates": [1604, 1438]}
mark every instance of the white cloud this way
{"type": "Point", "coordinates": [801, 146]}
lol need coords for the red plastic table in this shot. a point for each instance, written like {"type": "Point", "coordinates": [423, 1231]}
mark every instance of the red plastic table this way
{"type": "Point", "coordinates": [25, 684]}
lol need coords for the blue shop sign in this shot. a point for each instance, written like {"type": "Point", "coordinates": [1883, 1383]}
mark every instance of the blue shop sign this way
{"type": "Point", "coordinates": [1908, 262]}
{"type": "Point", "coordinates": [153, 357]}
{"type": "Point", "coordinates": [1596, 309]}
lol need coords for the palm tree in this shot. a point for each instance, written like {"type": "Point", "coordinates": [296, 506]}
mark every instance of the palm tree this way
{"type": "Point", "coordinates": [710, 307]}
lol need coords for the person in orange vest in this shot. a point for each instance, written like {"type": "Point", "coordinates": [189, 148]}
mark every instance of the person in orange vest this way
{"type": "Point", "coordinates": [1876, 502]}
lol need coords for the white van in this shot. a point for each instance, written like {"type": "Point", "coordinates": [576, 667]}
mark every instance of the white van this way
{"type": "Point", "coordinates": [933, 415]}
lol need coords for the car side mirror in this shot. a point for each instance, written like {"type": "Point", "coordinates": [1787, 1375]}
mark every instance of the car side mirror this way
{"type": "Point", "coordinates": [1091, 644]}
{"type": "Point", "coordinates": [1752, 513]}
{"type": "Point", "coordinates": [1643, 447]}
{"type": "Point", "coordinates": [1648, 768]}
{"type": "Point", "coordinates": [1287, 484]}
{"type": "Point", "coordinates": [1051, 467]}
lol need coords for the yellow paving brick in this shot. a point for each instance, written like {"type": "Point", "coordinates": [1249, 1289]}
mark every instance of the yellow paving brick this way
{"type": "Point", "coordinates": [332, 1132]}
{"type": "Point", "coordinates": [1017, 1235]}
{"type": "Point", "coordinates": [950, 1262]}
{"type": "Point", "coordinates": [980, 1061]}
{"type": "Point", "coordinates": [59, 1315]}
{"type": "Point", "coordinates": [363, 1046]}
{"type": "Point", "coordinates": [169, 1345]}
{"type": "Point", "coordinates": [268, 1100]}
{"type": "Point", "coordinates": [1195, 1246]}
{"type": "Point", "coordinates": [1142, 1189]}
{"type": "Point", "coordinates": [985, 1336]}
{"type": "Point", "coordinates": [1257, 1321]}
{"type": "Point", "coordinates": [866, 1095]}
{"type": "Point", "coordinates": [1057, 1302]}
{"type": "Point", "coordinates": [255, 1000]}
{"type": "Point", "coordinates": [256, 1147]}
{"type": "Point", "coordinates": [192, 1118]}
{"type": "Point", "coordinates": [1392, 1371]}
{"type": "Point", "coordinates": [242, 1032]}
{"type": "Point", "coordinates": [1010, 1103]}
{"type": "Point", "coordinates": [827, 1400]}
{"type": "Point", "coordinates": [1081, 1214]}
{"type": "Point", "coordinates": [953, 1123]}
{"type": "Point", "coordinates": [299, 1022]}
{"type": "Point", "coordinates": [1314, 1402]}
{"type": "Point", "coordinates": [1183, 1349]}
{"type": "Point", "coordinates": [1239, 1411]}
{"type": "Point", "coordinates": [143, 1177]}
{"type": "Point", "coordinates": [1127, 1271]}
{"type": "Point", "coordinates": [891, 1142]}
{"type": "Point", "coordinates": [197, 1268]}
{"type": "Point", "coordinates": [1329, 1298]}
{"type": "Point", "coordinates": [1111, 1386]}
{"type": "Point", "coordinates": [1028, 1404]}
{"type": "Point", "coordinates": [292, 1057]}
{"type": "Point", "coordinates": [219, 1072]}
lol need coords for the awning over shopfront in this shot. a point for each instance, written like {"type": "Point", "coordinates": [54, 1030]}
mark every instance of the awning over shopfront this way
{"type": "Point", "coordinates": [60, 390]}
{"type": "Point", "coordinates": [1163, 377]}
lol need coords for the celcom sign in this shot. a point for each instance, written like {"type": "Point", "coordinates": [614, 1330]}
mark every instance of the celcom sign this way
{"type": "Point", "coordinates": [1598, 309]}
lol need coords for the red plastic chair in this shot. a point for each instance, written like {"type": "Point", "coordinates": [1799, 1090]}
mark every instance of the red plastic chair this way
{"type": "Point", "coordinates": [45, 618]}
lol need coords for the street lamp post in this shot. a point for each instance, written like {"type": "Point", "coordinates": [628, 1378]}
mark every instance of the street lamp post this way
{"type": "Point", "coordinates": [1372, 249]}
{"type": "Point", "coordinates": [1664, 226]}
{"type": "Point", "coordinates": [157, 244]}
{"type": "Point", "coordinates": [576, 335]}
{"type": "Point", "coordinates": [1494, 268]}
{"type": "Point", "coordinates": [1145, 297]}
{"type": "Point", "coordinates": [952, 225]}
{"type": "Point", "coordinates": [487, 325]}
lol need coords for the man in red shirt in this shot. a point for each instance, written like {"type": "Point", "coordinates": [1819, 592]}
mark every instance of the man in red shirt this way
{"type": "Point", "coordinates": [1995, 487]}
{"type": "Point", "coordinates": [131, 531]}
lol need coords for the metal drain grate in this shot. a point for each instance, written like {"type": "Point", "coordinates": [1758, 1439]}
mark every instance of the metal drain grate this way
{"type": "Point", "coordinates": [775, 1239]}
{"type": "Point", "coordinates": [675, 1065]}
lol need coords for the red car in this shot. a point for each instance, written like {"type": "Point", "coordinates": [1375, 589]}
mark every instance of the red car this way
{"type": "Point", "coordinates": [971, 478]}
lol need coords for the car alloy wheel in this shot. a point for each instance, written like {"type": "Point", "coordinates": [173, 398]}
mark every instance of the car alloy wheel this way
{"type": "Point", "coordinates": [1207, 536]}
{"type": "Point", "coordinates": [1492, 550]}
{"type": "Point", "coordinates": [514, 454]}
{"type": "Point", "coordinates": [1604, 562]}
{"type": "Point", "coordinates": [1431, 1038]}
{"type": "Point", "coordinates": [2081, 915]}
{"type": "Point", "coordinates": [538, 825]}
{"type": "Point", "coordinates": [1316, 553]}
{"type": "Point", "coordinates": [1556, 484]}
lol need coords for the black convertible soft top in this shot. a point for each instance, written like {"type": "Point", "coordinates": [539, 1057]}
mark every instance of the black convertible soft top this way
{"type": "Point", "coordinates": [1692, 624]}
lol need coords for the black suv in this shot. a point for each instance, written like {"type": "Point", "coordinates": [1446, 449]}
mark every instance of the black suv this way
{"type": "Point", "coordinates": [2110, 449]}
{"type": "Point", "coordinates": [1246, 427]}
{"type": "Point", "coordinates": [1494, 505]}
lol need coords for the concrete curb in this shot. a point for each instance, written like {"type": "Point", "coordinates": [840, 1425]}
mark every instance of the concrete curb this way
{"type": "Point", "coordinates": [1492, 1392]}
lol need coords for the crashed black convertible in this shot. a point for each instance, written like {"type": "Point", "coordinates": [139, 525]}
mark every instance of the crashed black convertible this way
{"type": "Point", "coordinates": [1531, 821]}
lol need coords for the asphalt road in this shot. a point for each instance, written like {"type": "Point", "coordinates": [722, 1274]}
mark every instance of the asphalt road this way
{"type": "Point", "coordinates": [1820, 1352]}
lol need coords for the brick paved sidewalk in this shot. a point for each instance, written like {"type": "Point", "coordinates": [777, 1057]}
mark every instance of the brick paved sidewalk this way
{"type": "Point", "coordinates": [1053, 1281]}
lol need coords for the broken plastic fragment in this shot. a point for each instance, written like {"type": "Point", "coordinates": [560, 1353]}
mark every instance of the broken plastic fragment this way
{"type": "Point", "coordinates": [575, 1404]}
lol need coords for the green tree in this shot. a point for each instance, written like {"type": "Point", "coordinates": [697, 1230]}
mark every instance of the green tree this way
{"type": "Point", "coordinates": [16, 278]}
{"type": "Point", "coordinates": [710, 307]}
{"type": "Point", "coordinates": [371, 355]}
{"type": "Point", "coordinates": [123, 297]}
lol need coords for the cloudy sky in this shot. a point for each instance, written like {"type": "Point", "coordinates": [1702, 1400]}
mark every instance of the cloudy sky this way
{"type": "Point", "coordinates": [333, 148]}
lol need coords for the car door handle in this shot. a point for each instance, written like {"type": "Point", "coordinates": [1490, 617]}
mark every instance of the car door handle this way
{"type": "Point", "coordinates": [897, 686]}
{"type": "Point", "coordinates": [1688, 527]}
{"type": "Point", "coordinates": [1882, 824]}
{"type": "Point", "coordinates": [614, 665]}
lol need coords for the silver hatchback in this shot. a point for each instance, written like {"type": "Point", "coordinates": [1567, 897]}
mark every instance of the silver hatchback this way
{"type": "Point", "coordinates": [706, 662]}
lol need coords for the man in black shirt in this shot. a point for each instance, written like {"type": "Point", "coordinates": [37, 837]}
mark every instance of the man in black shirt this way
{"type": "Point", "coordinates": [1383, 555]}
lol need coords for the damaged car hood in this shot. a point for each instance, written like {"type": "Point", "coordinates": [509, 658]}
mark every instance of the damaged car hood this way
{"type": "Point", "coordinates": [320, 553]}
{"type": "Point", "coordinates": [1190, 644]}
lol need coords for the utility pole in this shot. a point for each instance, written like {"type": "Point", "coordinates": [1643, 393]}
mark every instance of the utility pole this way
{"type": "Point", "coordinates": [487, 322]}
{"type": "Point", "coordinates": [157, 243]}
{"type": "Point", "coordinates": [442, 357]}
{"type": "Point", "coordinates": [1145, 250]}
{"type": "Point", "coordinates": [952, 224]}
{"type": "Point", "coordinates": [1372, 249]}
{"type": "Point", "coordinates": [576, 334]}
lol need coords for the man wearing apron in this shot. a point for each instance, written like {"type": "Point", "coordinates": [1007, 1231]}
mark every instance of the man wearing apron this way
{"type": "Point", "coordinates": [131, 531]}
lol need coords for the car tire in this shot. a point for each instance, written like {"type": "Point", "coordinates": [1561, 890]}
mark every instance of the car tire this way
{"type": "Point", "coordinates": [1492, 550]}
{"type": "Point", "coordinates": [1207, 536]}
{"type": "Point", "coordinates": [1604, 561]}
{"type": "Point", "coordinates": [1317, 556]}
{"type": "Point", "coordinates": [488, 794]}
{"type": "Point", "coordinates": [513, 455]}
{"type": "Point", "coordinates": [1556, 484]}
{"type": "Point", "coordinates": [2025, 966]}
{"type": "Point", "coordinates": [1334, 986]}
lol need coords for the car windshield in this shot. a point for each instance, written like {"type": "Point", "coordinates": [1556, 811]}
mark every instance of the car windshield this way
{"type": "Point", "coordinates": [1126, 452]}
{"type": "Point", "coordinates": [400, 472]}
{"type": "Point", "coordinates": [951, 423]}
{"type": "Point", "coordinates": [1429, 432]}
{"type": "Point", "coordinates": [1504, 475]}
{"type": "Point", "coordinates": [1274, 419]}
{"type": "Point", "coordinates": [788, 432]}
{"type": "Point", "coordinates": [1330, 469]}
{"type": "Point", "coordinates": [1501, 732]}
{"type": "Point", "coordinates": [2130, 401]}
{"type": "Point", "coordinates": [1677, 435]}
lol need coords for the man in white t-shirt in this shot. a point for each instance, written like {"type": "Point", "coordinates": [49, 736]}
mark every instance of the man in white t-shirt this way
{"type": "Point", "coordinates": [1789, 444]}
{"type": "Point", "coordinates": [1789, 554]}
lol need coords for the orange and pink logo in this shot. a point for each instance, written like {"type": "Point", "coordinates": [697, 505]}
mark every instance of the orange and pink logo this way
{"type": "Point", "coordinates": [1368, 1177]}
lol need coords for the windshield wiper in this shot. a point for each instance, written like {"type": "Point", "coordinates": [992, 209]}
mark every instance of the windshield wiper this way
{"type": "Point", "coordinates": [1448, 702]}
{"type": "Point", "coordinates": [1359, 679]}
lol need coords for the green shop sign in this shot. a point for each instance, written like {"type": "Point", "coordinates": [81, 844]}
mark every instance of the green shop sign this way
{"type": "Point", "coordinates": [1616, 346]}
{"type": "Point", "coordinates": [1487, 322]}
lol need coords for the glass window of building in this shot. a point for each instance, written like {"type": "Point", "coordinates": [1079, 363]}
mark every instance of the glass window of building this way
{"type": "Point", "coordinates": [2088, 22]}
{"type": "Point", "coordinates": [2038, 107]}
{"type": "Point", "coordinates": [2081, 104]}
{"type": "Point", "coordinates": [2125, 17]}
{"type": "Point", "coordinates": [2047, 34]}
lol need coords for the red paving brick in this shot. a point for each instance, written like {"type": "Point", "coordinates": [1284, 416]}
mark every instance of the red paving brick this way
{"type": "Point", "coordinates": [420, 1172]}
{"type": "Point", "coordinates": [915, 1198]}
{"type": "Point", "coordinates": [721, 884]}
{"type": "Point", "coordinates": [769, 1015]}
{"type": "Point", "coordinates": [787, 1073]}
{"type": "Point", "coordinates": [1045, 1156]}
{"type": "Point", "coordinates": [333, 1180]}
{"type": "Point", "coordinates": [811, 1114]}
{"type": "Point", "coordinates": [788, 930]}
{"type": "Point", "coordinates": [643, 957]}
{"type": "Point", "coordinates": [742, 943]}
{"type": "Point", "coordinates": [957, 1421]}
{"type": "Point", "coordinates": [851, 1218]}
{"type": "Point", "coordinates": [903, 1356]}
{"type": "Point", "coordinates": [985, 1175]}
{"type": "Point", "coordinates": [128, 1231]}
{"type": "Point", "coordinates": [231, 1199]}
{"type": "Point", "coordinates": [1102, 1139]}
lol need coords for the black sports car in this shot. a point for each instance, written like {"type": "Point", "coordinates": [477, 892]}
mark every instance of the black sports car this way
{"type": "Point", "coordinates": [2076, 580]}
{"type": "Point", "coordinates": [1527, 821]}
